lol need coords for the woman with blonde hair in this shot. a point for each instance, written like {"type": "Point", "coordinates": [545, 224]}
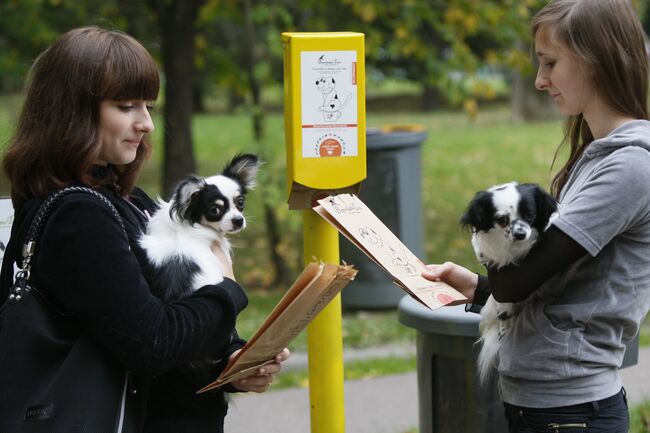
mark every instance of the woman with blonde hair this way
{"type": "Point", "coordinates": [584, 289]}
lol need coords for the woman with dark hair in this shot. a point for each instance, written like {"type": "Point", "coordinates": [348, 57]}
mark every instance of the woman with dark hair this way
{"type": "Point", "coordinates": [86, 122]}
{"type": "Point", "coordinates": [584, 288]}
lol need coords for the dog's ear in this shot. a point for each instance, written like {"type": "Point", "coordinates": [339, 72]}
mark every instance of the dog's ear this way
{"type": "Point", "coordinates": [546, 205]}
{"type": "Point", "coordinates": [185, 193]}
{"type": "Point", "coordinates": [243, 168]}
{"type": "Point", "coordinates": [480, 212]}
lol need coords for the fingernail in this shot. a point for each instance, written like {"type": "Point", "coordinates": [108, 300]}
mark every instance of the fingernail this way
{"type": "Point", "coordinates": [262, 371]}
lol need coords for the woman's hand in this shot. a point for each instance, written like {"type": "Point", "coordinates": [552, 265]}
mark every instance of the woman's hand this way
{"type": "Point", "coordinates": [226, 262]}
{"type": "Point", "coordinates": [456, 276]}
{"type": "Point", "coordinates": [263, 376]}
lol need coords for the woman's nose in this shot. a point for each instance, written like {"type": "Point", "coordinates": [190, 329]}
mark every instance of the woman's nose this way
{"type": "Point", "coordinates": [145, 123]}
{"type": "Point", "coordinates": [541, 82]}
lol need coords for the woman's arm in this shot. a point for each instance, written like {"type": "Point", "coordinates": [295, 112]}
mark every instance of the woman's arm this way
{"type": "Point", "coordinates": [513, 283]}
{"type": "Point", "coordinates": [552, 254]}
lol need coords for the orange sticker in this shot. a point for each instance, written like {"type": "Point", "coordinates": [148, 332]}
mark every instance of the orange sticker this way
{"type": "Point", "coordinates": [330, 147]}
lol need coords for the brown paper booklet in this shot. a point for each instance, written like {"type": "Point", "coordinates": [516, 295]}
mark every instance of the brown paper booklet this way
{"type": "Point", "coordinates": [361, 226]}
{"type": "Point", "coordinates": [310, 293]}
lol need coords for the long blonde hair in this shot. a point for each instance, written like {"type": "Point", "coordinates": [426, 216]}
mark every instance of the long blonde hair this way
{"type": "Point", "coordinates": [608, 37]}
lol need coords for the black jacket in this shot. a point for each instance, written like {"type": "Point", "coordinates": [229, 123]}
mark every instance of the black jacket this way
{"type": "Point", "coordinates": [86, 267]}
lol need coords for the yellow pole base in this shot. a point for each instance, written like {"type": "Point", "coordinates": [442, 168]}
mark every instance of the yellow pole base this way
{"type": "Point", "coordinates": [324, 335]}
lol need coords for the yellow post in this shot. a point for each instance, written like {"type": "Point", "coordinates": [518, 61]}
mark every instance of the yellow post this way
{"type": "Point", "coordinates": [324, 335]}
{"type": "Point", "coordinates": [325, 131]}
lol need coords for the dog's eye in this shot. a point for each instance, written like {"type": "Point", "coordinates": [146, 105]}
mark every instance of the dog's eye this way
{"type": "Point", "coordinates": [503, 220]}
{"type": "Point", "coordinates": [215, 209]}
{"type": "Point", "coordinates": [239, 202]}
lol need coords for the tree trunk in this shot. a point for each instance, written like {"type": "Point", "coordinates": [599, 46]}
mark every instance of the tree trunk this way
{"type": "Point", "coordinates": [177, 30]}
{"type": "Point", "coordinates": [526, 102]}
{"type": "Point", "coordinates": [432, 98]}
{"type": "Point", "coordinates": [234, 100]}
{"type": "Point", "coordinates": [197, 98]}
{"type": "Point", "coordinates": [282, 275]}
{"type": "Point", "coordinates": [250, 62]}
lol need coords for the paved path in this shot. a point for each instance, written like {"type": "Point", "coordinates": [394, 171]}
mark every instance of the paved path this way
{"type": "Point", "coordinates": [383, 405]}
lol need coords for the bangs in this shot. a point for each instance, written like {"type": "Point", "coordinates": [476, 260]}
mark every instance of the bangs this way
{"type": "Point", "coordinates": [131, 72]}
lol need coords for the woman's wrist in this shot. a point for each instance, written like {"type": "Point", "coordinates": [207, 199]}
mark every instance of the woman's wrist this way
{"type": "Point", "coordinates": [481, 295]}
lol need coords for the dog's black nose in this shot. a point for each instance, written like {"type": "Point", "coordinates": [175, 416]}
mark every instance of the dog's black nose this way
{"type": "Point", "coordinates": [519, 235]}
{"type": "Point", "coordinates": [238, 222]}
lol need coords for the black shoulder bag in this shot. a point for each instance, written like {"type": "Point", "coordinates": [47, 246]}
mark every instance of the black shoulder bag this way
{"type": "Point", "coordinates": [53, 377]}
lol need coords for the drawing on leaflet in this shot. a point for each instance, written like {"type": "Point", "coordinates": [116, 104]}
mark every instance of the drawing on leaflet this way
{"type": "Point", "coordinates": [371, 235]}
{"type": "Point", "coordinates": [400, 259]}
{"type": "Point", "coordinates": [340, 205]}
{"type": "Point", "coordinates": [443, 298]}
{"type": "Point", "coordinates": [332, 105]}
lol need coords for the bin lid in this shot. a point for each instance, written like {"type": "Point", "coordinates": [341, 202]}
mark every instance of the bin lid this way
{"type": "Point", "coordinates": [395, 136]}
{"type": "Point", "coordinates": [445, 321]}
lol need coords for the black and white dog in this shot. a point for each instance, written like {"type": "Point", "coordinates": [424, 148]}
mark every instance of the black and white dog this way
{"type": "Point", "coordinates": [181, 233]}
{"type": "Point", "coordinates": [506, 221]}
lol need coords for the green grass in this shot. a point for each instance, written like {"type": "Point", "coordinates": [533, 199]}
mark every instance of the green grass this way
{"type": "Point", "coordinates": [640, 418]}
{"type": "Point", "coordinates": [361, 370]}
{"type": "Point", "coordinates": [360, 329]}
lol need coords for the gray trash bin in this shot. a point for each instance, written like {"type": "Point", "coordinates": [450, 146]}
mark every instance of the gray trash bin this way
{"type": "Point", "coordinates": [392, 190]}
{"type": "Point", "coordinates": [450, 397]}
{"type": "Point", "coordinates": [451, 400]}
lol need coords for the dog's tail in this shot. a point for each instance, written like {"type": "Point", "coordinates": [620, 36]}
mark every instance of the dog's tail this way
{"type": "Point", "coordinates": [486, 362]}
{"type": "Point", "coordinates": [489, 341]}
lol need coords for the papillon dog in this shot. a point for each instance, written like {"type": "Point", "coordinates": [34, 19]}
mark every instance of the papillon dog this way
{"type": "Point", "coordinates": [506, 221]}
{"type": "Point", "coordinates": [201, 212]}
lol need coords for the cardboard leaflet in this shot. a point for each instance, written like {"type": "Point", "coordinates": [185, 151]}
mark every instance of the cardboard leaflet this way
{"type": "Point", "coordinates": [310, 293]}
{"type": "Point", "coordinates": [361, 226]}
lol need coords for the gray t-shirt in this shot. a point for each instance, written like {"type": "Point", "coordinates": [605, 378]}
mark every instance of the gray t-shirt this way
{"type": "Point", "coordinates": [569, 336]}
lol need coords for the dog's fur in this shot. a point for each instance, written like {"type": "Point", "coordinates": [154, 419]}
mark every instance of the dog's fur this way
{"type": "Point", "coordinates": [181, 233]}
{"type": "Point", "coordinates": [506, 221]}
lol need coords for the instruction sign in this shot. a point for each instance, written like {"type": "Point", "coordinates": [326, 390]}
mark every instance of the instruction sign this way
{"type": "Point", "coordinates": [329, 103]}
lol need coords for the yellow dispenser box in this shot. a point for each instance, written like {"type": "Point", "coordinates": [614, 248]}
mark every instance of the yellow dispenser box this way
{"type": "Point", "coordinates": [324, 114]}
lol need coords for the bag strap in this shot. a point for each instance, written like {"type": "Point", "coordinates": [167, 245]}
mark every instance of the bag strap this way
{"type": "Point", "coordinates": [41, 217]}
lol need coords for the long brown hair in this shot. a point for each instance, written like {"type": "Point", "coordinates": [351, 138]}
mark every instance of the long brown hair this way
{"type": "Point", "coordinates": [608, 37]}
{"type": "Point", "coordinates": [57, 137]}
